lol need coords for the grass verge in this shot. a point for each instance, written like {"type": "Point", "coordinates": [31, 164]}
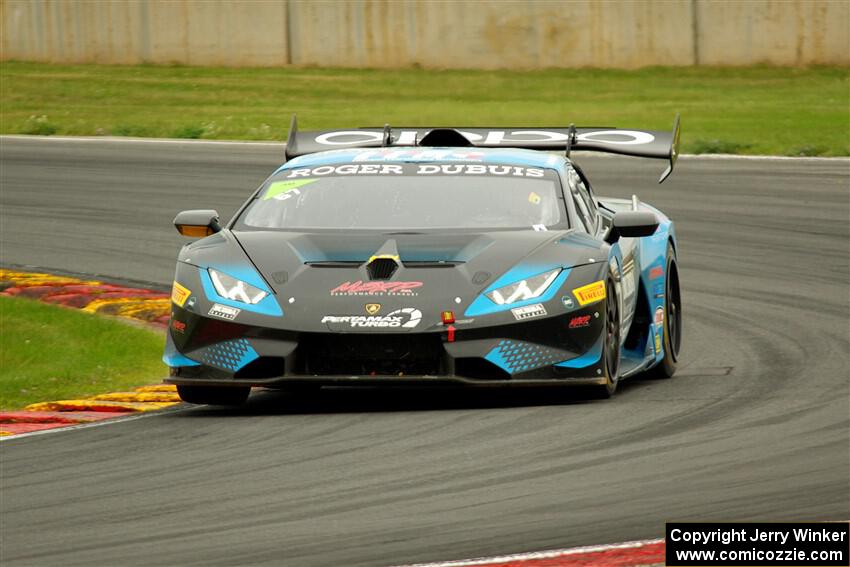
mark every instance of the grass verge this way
{"type": "Point", "coordinates": [52, 353]}
{"type": "Point", "coordinates": [752, 110]}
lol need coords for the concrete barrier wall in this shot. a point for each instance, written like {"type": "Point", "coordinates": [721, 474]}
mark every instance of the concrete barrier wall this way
{"type": "Point", "coordinates": [799, 32]}
{"type": "Point", "coordinates": [192, 32]}
{"type": "Point", "coordinates": [465, 33]}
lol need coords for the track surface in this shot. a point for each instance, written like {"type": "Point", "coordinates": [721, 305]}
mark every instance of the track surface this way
{"type": "Point", "coordinates": [754, 427]}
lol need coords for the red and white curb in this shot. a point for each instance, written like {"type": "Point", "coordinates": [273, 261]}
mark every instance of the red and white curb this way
{"type": "Point", "coordinates": [143, 305]}
{"type": "Point", "coordinates": [92, 296]}
{"type": "Point", "coordinates": [628, 554]}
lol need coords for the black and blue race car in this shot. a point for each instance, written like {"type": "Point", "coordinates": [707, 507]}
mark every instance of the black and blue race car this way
{"type": "Point", "coordinates": [417, 256]}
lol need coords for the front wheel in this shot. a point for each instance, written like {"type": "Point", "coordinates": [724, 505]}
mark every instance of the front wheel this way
{"type": "Point", "coordinates": [672, 327]}
{"type": "Point", "coordinates": [611, 347]}
{"type": "Point", "coordinates": [211, 395]}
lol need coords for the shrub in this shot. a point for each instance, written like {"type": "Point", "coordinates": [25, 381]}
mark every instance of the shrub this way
{"type": "Point", "coordinates": [39, 126]}
{"type": "Point", "coordinates": [130, 130]}
{"type": "Point", "coordinates": [718, 147]}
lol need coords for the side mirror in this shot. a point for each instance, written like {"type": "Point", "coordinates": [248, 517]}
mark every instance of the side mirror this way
{"type": "Point", "coordinates": [631, 224]}
{"type": "Point", "coordinates": [197, 224]}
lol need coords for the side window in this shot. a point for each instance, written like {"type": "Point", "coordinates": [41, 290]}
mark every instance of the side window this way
{"type": "Point", "coordinates": [587, 193]}
{"type": "Point", "coordinates": [584, 205]}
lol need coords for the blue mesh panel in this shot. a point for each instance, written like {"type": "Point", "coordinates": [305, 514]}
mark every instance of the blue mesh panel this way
{"type": "Point", "coordinates": [228, 355]}
{"type": "Point", "coordinates": [518, 356]}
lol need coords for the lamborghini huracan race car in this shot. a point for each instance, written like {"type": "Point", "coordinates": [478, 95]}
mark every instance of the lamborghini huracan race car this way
{"type": "Point", "coordinates": [428, 256]}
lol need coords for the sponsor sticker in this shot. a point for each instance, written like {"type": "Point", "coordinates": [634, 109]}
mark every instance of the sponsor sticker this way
{"type": "Point", "coordinates": [308, 174]}
{"type": "Point", "coordinates": [373, 308]}
{"type": "Point", "coordinates": [568, 302]}
{"type": "Point", "coordinates": [417, 154]}
{"type": "Point", "coordinates": [529, 312]}
{"type": "Point", "coordinates": [347, 169]}
{"type": "Point", "coordinates": [656, 272]}
{"type": "Point", "coordinates": [279, 189]}
{"type": "Point", "coordinates": [486, 137]}
{"type": "Point", "coordinates": [534, 198]}
{"type": "Point", "coordinates": [179, 294]}
{"type": "Point", "coordinates": [407, 317]}
{"type": "Point", "coordinates": [480, 170]}
{"type": "Point", "coordinates": [580, 321]}
{"type": "Point", "coordinates": [224, 311]}
{"type": "Point", "coordinates": [590, 293]}
{"type": "Point", "coordinates": [659, 318]}
{"type": "Point", "coordinates": [360, 287]}
{"type": "Point", "coordinates": [657, 342]}
{"type": "Point", "coordinates": [178, 326]}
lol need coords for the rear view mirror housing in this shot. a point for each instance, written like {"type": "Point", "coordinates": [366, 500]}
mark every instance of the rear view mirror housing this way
{"type": "Point", "coordinates": [631, 224]}
{"type": "Point", "coordinates": [197, 223]}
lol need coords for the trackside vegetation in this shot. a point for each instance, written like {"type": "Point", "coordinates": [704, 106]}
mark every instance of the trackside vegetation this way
{"type": "Point", "coordinates": [750, 110]}
{"type": "Point", "coordinates": [49, 352]}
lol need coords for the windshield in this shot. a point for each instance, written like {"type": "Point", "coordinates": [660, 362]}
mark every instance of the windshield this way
{"type": "Point", "coordinates": [408, 197]}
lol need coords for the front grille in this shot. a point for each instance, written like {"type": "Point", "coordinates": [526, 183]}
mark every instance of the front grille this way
{"type": "Point", "coordinates": [370, 355]}
{"type": "Point", "coordinates": [263, 368]}
{"type": "Point", "coordinates": [381, 268]}
{"type": "Point", "coordinates": [479, 369]}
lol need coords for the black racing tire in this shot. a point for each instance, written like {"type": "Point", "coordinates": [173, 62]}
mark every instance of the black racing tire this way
{"type": "Point", "coordinates": [672, 327]}
{"type": "Point", "coordinates": [214, 396]}
{"type": "Point", "coordinates": [611, 348]}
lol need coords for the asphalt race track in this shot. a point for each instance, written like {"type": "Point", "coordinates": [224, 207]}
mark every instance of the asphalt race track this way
{"type": "Point", "coordinates": [756, 425]}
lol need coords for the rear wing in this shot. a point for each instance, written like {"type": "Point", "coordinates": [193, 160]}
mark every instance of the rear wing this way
{"type": "Point", "coordinates": [640, 143]}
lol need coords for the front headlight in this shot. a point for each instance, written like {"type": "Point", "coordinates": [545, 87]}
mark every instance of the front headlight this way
{"type": "Point", "coordinates": [235, 290]}
{"type": "Point", "coordinates": [528, 288]}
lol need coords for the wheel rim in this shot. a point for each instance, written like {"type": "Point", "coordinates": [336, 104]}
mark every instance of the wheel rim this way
{"type": "Point", "coordinates": [674, 312]}
{"type": "Point", "coordinates": [612, 338]}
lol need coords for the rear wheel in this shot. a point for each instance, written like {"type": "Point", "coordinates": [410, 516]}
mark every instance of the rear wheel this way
{"type": "Point", "coordinates": [214, 396]}
{"type": "Point", "coordinates": [611, 347]}
{"type": "Point", "coordinates": [672, 327]}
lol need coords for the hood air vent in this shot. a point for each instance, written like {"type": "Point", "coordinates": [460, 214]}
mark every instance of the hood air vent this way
{"type": "Point", "coordinates": [384, 262]}
{"type": "Point", "coordinates": [382, 267]}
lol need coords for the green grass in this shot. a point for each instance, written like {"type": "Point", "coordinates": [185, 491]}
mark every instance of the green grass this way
{"type": "Point", "coordinates": [752, 110]}
{"type": "Point", "coordinates": [52, 353]}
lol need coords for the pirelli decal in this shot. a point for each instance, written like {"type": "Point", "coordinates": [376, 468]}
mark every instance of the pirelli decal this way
{"type": "Point", "coordinates": [590, 293]}
{"type": "Point", "coordinates": [180, 294]}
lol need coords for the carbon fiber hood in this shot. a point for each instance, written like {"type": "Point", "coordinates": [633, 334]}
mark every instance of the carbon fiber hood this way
{"type": "Point", "coordinates": [459, 264]}
{"type": "Point", "coordinates": [319, 276]}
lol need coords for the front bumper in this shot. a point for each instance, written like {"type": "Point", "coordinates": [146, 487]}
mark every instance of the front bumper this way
{"type": "Point", "coordinates": [212, 352]}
